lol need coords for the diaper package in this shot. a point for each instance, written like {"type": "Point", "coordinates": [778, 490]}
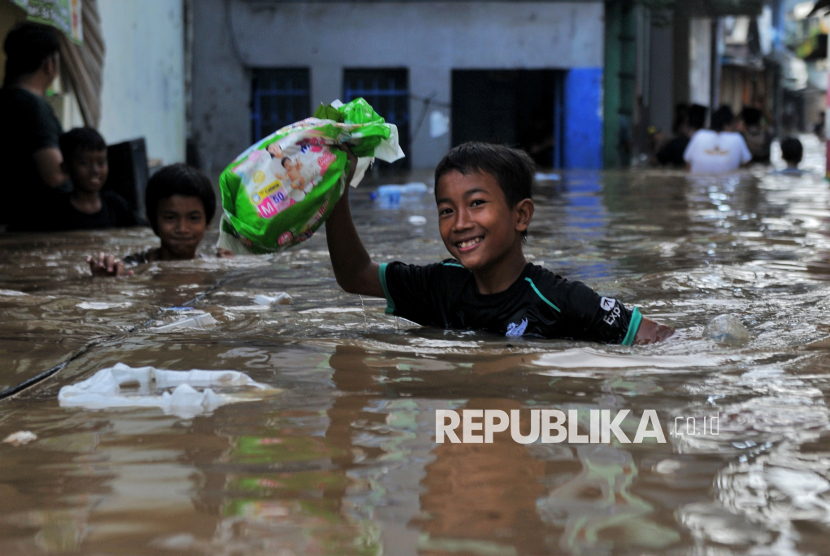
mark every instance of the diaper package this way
{"type": "Point", "coordinates": [281, 189]}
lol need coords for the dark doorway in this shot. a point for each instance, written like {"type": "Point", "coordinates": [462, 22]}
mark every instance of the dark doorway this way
{"type": "Point", "coordinates": [387, 90]}
{"type": "Point", "coordinates": [521, 108]}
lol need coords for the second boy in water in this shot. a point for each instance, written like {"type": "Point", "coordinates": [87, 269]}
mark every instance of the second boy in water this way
{"type": "Point", "coordinates": [180, 205]}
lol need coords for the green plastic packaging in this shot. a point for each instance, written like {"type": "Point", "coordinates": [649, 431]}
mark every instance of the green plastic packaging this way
{"type": "Point", "coordinates": [281, 190]}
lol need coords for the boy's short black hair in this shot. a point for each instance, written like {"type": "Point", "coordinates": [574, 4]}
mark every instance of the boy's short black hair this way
{"type": "Point", "coordinates": [722, 117]}
{"type": "Point", "coordinates": [78, 140]}
{"type": "Point", "coordinates": [178, 179]}
{"type": "Point", "coordinates": [513, 168]}
{"type": "Point", "coordinates": [27, 46]}
{"type": "Point", "coordinates": [791, 150]}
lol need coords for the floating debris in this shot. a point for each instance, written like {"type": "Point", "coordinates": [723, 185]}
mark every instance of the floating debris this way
{"type": "Point", "coordinates": [125, 386]}
{"type": "Point", "coordinates": [202, 320]}
{"type": "Point", "coordinates": [726, 329]}
{"type": "Point", "coordinates": [20, 437]}
{"type": "Point", "coordinates": [281, 298]}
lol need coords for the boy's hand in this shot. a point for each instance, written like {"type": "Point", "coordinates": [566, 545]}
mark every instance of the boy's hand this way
{"type": "Point", "coordinates": [352, 158]}
{"type": "Point", "coordinates": [223, 253]}
{"type": "Point", "coordinates": [651, 332]}
{"type": "Point", "coordinates": [106, 265]}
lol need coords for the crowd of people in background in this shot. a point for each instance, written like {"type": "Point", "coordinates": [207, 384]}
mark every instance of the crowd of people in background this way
{"type": "Point", "coordinates": [728, 144]}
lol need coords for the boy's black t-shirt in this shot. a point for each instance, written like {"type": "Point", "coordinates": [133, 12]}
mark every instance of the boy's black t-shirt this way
{"type": "Point", "coordinates": [28, 125]}
{"type": "Point", "coordinates": [114, 213]}
{"type": "Point", "coordinates": [540, 303]}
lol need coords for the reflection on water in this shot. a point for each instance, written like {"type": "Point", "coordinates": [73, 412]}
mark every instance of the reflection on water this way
{"type": "Point", "coordinates": [597, 506]}
{"type": "Point", "coordinates": [344, 460]}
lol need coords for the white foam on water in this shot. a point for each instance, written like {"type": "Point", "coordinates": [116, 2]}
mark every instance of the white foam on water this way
{"type": "Point", "coordinates": [591, 359]}
{"type": "Point", "coordinates": [11, 293]}
{"type": "Point", "coordinates": [100, 305]}
{"type": "Point", "coordinates": [332, 310]}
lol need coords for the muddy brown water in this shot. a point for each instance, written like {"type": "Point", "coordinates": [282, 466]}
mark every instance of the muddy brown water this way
{"type": "Point", "coordinates": [344, 460]}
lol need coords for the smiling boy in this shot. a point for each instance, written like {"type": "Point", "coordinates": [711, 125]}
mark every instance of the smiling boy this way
{"type": "Point", "coordinates": [87, 207]}
{"type": "Point", "coordinates": [180, 205]}
{"type": "Point", "coordinates": [483, 193]}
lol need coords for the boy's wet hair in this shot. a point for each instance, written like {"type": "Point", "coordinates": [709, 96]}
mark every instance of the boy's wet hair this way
{"type": "Point", "coordinates": [791, 150]}
{"type": "Point", "coordinates": [79, 140]}
{"type": "Point", "coordinates": [512, 168]}
{"type": "Point", "coordinates": [27, 46]}
{"type": "Point", "coordinates": [178, 179]}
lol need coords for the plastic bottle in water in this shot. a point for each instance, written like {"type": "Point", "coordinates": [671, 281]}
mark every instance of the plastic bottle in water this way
{"type": "Point", "coordinates": [389, 196]}
{"type": "Point", "coordinates": [414, 188]}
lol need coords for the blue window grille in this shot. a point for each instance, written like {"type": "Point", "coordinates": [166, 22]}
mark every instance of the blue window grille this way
{"type": "Point", "coordinates": [279, 96]}
{"type": "Point", "coordinates": [387, 90]}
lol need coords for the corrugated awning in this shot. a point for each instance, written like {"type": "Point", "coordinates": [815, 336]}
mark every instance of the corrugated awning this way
{"type": "Point", "coordinates": [84, 64]}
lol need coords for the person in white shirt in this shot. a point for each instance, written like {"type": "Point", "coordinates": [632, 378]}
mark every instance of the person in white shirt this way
{"type": "Point", "coordinates": [718, 150]}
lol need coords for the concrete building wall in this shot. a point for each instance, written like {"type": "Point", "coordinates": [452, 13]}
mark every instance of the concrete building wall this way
{"type": "Point", "coordinates": [681, 54]}
{"type": "Point", "coordinates": [700, 61]}
{"type": "Point", "coordinates": [583, 118]}
{"type": "Point", "coordinates": [430, 39]}
{"type": "Point", "coordinates": [143, 90]}
{"type": "Point", "coordinates": [661, 77]}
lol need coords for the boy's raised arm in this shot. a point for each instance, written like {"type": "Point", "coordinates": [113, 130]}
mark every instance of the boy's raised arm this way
{"type": "Point", "coordinates": [354, 270]}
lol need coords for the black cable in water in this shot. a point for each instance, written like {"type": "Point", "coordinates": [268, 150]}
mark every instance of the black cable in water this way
{"type": "Point", "coordinates": [45, 374]}
{"type": "Point", "coordinates": [8, 392]}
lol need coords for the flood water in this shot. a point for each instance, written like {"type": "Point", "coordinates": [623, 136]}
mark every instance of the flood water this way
{"type": "Point", "coordinates": [344, 460]}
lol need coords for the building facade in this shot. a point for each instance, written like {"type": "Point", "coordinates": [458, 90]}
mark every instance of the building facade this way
{"type": "Point", "coordinates": [523, 73]}
{"type": "Point", "coordinates": [143, 92]}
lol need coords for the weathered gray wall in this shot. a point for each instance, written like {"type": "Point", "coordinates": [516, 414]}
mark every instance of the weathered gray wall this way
{"type": "Point", "coordinates": [700, 61]}
{"type": "Point", "coordinates": [143, 93]}
{"type": "Point", "coordinates": [661, 76]}
{"type": "Point", "coordinates": [430, 39]}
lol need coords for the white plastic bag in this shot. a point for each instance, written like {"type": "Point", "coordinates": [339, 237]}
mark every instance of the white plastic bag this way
{"type": "Point", "coordinates": [125, 386]}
